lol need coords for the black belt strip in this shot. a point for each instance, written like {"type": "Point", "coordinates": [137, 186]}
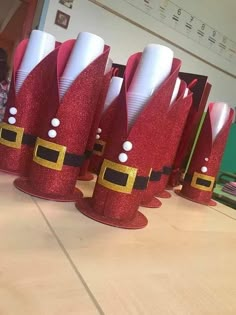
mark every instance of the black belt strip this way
{"type": "Point", "coordinates": [45, 153]}
{"type": "Point", "coordinates": [166, 170]}
{"type": "Point", "coordinates": [200, 181]}
{"type": "Point", "coordinates": [11, 136]}
{"type": "Point", "coordinates": [50, 155]}
{"type": "Point", "coordinates": [29, 140]}
{"type": "Point", "coordinates": [141, 182]}
{"type": "Point", "coordinates": [120, 179]}
{"type": "Point", "coordinates": [98, 147]}
{"type": "Point", "coordinates": [155, 176]}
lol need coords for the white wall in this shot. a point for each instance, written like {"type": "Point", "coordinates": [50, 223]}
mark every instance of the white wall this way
{"type": "Point", "coordinates": [125, 39]}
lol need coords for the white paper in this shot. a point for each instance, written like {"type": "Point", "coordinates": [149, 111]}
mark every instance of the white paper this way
{"type": "Point", "coordinates": [113, 91]}
{"type": "Point", "coordinates": [108, 65]}
{"type": "Point", "coordinates": [175, 91]}
{"type": "Point", "coordinates": [186, 92]}
{"type": "Point", "coordinates": [219, 115]}
{"type": "Point", "coordinates": [86, 49]}
{"type": "Point", "coordinates": [40, 44]}
{"type": "Point", "coordinates": [153, 69]}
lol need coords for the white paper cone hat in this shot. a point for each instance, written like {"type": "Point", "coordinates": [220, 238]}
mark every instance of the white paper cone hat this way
{"type": "Point", "coordinates": [153, 69]}
{"type": "Point", "coordinates": [86, 49]}
{"type": "Point", "coordinates": [219, 115]}
{"type": "Point", "coordinates": [113, 91]}
{"type": "Point", "coordinates": [40, 44]}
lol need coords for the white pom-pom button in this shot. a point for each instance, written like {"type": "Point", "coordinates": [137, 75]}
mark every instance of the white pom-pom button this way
{"type": "Point", "coordinates": [52, 133]}
{"type": "Point", "coordinates": [99, 130]}
{"type": "Point", "coordinates": [55, 122]}
{"type": "Point", "coordinates": [127, 146]}
{"type": "Point", "coordinates": [13, 111]}
{"type": "Point", "coordinates": [206, 159]}
{"type": "Point", "coordinates": [204, 169]}
{"type": "Point", "coordinates": [11, 120]}
{"type": "Point", "coordinates": [97, 137]}
{"type": "Point", "coordinates": [123, 157]}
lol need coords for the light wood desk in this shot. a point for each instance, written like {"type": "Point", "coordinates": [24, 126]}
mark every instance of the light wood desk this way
{"type": "Point", "coordinates": [55, 261]}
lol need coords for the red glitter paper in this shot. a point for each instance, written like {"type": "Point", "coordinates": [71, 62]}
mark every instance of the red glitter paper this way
{"type": "Point", "coordinates": [210, 202]}
{"type": "Point", "coordinates": [107, 203]}
{"type": "Point", "coordinates": [75, 113]}
{"type": "Point", "coordinates": [106, 124]}
{"type": "Point", "coordinates": [95, 123]}
{"type": "Point", "coordinates": [31, 100]}
{"type": "Point", "coordinates": [165, 148]}
{"type": "Point", "coordinates": [151, 203]}
{"type": "Point", "coordinates": [87, 176]}
{"type": "Point", "coordinates": [200, 92]}
{"type": "Point", "coordinates": [206, 149]}
{"type": "Point", "coordinates": [24, 185]}
{"type": "Point", "coordinates": [164, 194]}
{"type": "Point", "coordinates": [84, 205]}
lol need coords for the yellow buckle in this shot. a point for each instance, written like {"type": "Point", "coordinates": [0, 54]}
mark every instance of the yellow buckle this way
{"type": "Point", "coordinates": [100, 153]}
{"type": "Point", "coordinates": [53, 146]}
{"type": "Point", "coordinates": [197, 176]}
{"type": "Point", "coordinates": [130, 171]}
{"type": "Point", "coordinates": [19, 136]}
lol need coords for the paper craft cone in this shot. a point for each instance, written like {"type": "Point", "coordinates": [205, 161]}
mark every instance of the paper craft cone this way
{"type": "Point", "coordinates": [125, 170]}
{"type": "Point", "coordinates": [84, 173]}
{"type": "Point", "coordinates": [200, 91]}
{"type": "Point", "coordinates": [172, 126]}
{"type": "Point", "coordinates": [60, 147]}
{"type": "Point", "coordinates": [204, 166]}
{"type": "Point", "coordinates": [23, 115]}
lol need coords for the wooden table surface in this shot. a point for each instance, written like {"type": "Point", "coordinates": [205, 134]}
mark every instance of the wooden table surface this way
{"type": "Point", "coordinates": [56, 261]}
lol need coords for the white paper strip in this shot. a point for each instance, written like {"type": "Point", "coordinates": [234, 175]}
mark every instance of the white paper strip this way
{"type": "Point", "coordinates": [175, 91]}
{"type": "Point", "coordinates": [186, 92]}
{"type": "Point", "coordinates": [108, 65]}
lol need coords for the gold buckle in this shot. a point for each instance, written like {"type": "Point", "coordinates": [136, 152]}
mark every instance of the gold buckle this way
{"type": "Point", "coordinates": [100, 153]}
{"type": "Point", "coordinates": [130, 171]}
{"type": "Point", "coordinates": [53, 146]}
{"type": "Point", "coordinates": [197, 176]}
{"type": "Point", "coordinates": [19, 136]}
